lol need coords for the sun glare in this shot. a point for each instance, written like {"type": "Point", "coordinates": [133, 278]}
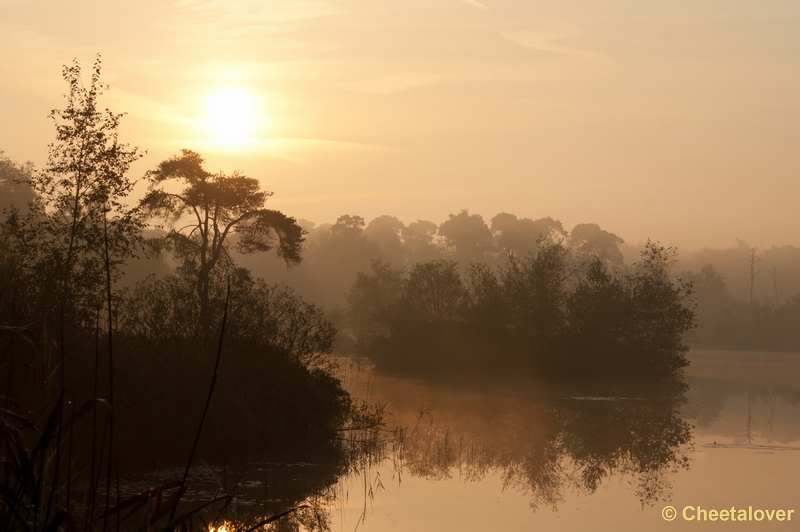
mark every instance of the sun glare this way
{"type": "Point", "coordinates": [231, 114]}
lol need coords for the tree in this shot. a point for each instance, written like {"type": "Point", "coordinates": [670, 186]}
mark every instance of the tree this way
{"type": "Point", "coordinates": [418, 241]}
{"type": "Point", "coordinates": [211, 208]}
{"type": "Point", "coordinates": [773, 274]}
{"type": "Point", "coordinates": [386, 231]}
{"type": "Point", "coordinates": [590, 239]}
{"type": "Point", "coordinates": [15, 196]}
{"type": "Point", "coordinates": [348, 227]}
{"type": "Point", "coordinates": [15, 190]}
{"type": "Point", "coordinates": [714, 306]}
{"type": "Point", "coordinates": [79, 207]}
{"type": "Point", "coordinates": [435, 291]}
{"type": "Point", "coordinates": [162, 314]}
{"type": "Point", "coordinates": [523, 235]}
{"type": "Point", "coordinates": [468, 234]}
{"type": "Point", "coordinates": [374, 301]}
{"type": "Point", "coordinates": [753, 264]}
{"type": "Point", "coordinates": [535, 290]}
{"type": "Point", "coordinates": [597, 311]}
{"type": "Point", "coordinates": [709, 285]}
{"type": "Point", "coordinates": [662, 312]}
{"type": "Point", "coordinates": [484, 295]}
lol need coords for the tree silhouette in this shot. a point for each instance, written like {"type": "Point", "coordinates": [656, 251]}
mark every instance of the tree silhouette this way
{"type": "Point", "coordinates": [207, 211]}
{"type": "Point", "coordinates": [468, 235]}
{"type": "Point", "coordinates": [523, 235]}
{"type": "Point", "coordinates": [79, 192]}
{"type": "Point", "coordinates": [753, 264]}
{"type": "Point", "coordinates": [435, 291]}
{"type": "Point", "coordinates": [386, 231]}
{"type": "Point", "coordinates": [590, 239]}
{"type": "Point", "coordinates": [418, 241]}
{"type": "Point", "coordinates": [15, 190]}
{"type": "Point", "coordinates": [347, 226]}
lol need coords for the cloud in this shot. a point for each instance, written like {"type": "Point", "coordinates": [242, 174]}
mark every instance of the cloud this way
{"type": "Point", "coordinates": [246, 17]}
{"type": "Point", "coordinates": [669, 113]}
{"type": "Point", "coordinates": [31, 61]}
{"type": "Point", "coordinates": [148, 108]}
{"type": "Point", "coordinates": [388, 194]}
{"type": "Point", "coordinates": [298, 150]}
{"type": "Point", "coordinates": [391, 83]}
{"type": "Point", "coordinates": [476, 4]}
{"type": "Point", "coordinates": [547, 39]}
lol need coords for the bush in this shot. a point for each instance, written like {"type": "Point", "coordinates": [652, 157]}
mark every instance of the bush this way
{"type": "Point", "coordinates": [276, 388]}
{"type": "Point", "coordinates": [552, 312]}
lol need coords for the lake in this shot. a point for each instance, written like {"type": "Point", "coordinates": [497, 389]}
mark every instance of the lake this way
{"type": "Point", "coordinates": [501, 454]}
{"type": "Point", "coordinates": [491, 453]}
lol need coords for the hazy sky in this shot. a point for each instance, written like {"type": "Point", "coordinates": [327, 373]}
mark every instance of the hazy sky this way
{"type": "Point", "coordinates": [678, 121]}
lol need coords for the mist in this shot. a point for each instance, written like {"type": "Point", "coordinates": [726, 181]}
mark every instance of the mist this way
{"type": "Point", "coordinates": [441, 265]}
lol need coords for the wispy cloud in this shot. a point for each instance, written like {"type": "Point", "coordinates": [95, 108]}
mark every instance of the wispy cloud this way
{"type": "Point", "coordinates": [149, 109]}
{"type": "Point", "coordinates": [473, 3]}
{"type": "Point", "coordinates": [548, 39]}
{"type": "Point", "coordinates": [391, 83]}
{"type": "Point", "coordinates": [388, 194]}
{"type": "Point", "coordinates": [298, 150]}
{"type": "Point", "coordinates": [33, 58]}
{"type": "Point", "coordinates": [682, 113]}
{"type": "Point", "coordinates": [245, 17]}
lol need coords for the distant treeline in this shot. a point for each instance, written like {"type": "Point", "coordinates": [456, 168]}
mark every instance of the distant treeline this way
{"type": "Point", "coordinates": [748, 297]}
{"type": "Point", "coordinates": [549, 312]}
{"type": "Point", "coordinates": [724, 322]}
{"type": "Point", "coordinates": [334, 254]}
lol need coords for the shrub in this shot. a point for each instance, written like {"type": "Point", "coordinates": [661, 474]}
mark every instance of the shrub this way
{"type": "Point", "coordinates": [550, 312]}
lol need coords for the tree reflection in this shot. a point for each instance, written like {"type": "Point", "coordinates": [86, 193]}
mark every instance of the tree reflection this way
{"type": "Point", "coordinates": [556, 439]}
{"type": "Point", "coordinates": [546, 448]}
{"type": "Point", "coordinates": [572, 444]}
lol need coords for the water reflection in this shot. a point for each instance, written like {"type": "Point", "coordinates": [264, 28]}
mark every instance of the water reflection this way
{"type": "Point", "coordinates": [746, 399]}
{"type": "Point", "coordinates": [258, 489]}
{"type": "Point", "coordinates": [543, 445]}
{"type": "Point", "coordinates": [558, 444]}
{"type": "Point", "coordinates": [552, 442]}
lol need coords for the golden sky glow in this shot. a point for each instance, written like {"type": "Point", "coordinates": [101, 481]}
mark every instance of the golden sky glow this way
{"type": "Point", "coordinates": [671, 120]}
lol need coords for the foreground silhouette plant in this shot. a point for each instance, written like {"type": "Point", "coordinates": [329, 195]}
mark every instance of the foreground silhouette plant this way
{"type": "Point", "coordinates": [37, 484]}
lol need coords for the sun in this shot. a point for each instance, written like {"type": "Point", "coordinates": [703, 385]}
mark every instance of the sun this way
{"type": "Point", "coordinates": [232, 114]}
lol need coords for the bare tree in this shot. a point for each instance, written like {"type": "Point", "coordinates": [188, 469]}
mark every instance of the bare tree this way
{"type": "Point", "coordinates": [753, 263]}
{"type": "Point", "coordinates": [774, 274]}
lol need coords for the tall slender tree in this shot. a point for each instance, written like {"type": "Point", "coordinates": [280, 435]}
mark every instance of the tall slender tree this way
{"type": "Point", "coordinates": [80, 203]}
{"type": "Point", "coordinates": [753, 264]}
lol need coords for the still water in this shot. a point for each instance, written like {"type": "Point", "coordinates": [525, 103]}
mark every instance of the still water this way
{"type": "Point", "coordinates": [512, 454]}
{"type": "Point", "coordinates": [592, 456]}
